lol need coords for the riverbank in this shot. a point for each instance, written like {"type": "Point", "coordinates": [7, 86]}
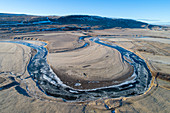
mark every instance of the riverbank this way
{"type": "Point", "coordinates": [154, 101]}
{"type": "Point", "coordinates": [118, 86]}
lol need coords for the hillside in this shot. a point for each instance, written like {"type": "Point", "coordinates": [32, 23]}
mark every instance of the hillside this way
{"type": "Point", "coordinates": [21, 23]}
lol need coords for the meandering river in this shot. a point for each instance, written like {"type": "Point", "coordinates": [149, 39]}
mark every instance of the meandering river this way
{"type": "Point", "coordinates": [50, 84]}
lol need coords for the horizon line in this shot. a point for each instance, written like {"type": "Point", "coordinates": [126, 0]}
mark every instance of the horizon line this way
{"type": "Point", "coordinates": [157, 22]}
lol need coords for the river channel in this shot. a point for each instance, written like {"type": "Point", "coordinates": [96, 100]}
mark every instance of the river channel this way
{"type": "Point", "coordinates": [49, 83]}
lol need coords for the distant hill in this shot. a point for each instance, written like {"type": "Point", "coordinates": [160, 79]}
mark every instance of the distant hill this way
{"type": "Point", "coordinates": [9, 14]}
{"type": "Point", "coordinates": [30, 23]}
{"type": "Point", "coordinates": [101, 21]}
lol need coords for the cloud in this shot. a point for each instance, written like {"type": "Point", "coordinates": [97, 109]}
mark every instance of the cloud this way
{"type": "Point", "coordinates": [148, 20]}
{"type": "Point", "coordinates": [162, 23]}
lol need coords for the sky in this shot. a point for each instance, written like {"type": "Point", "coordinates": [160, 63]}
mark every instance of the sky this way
{"type": "Point", "coordinates": [151, 11]}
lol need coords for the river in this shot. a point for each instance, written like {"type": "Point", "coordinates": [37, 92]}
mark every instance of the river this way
{"type": "Point", "coordinates": [49, 83]}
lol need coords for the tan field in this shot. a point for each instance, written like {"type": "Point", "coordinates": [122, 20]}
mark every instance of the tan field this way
{"type": "Point", "coordinates": [92, 63]}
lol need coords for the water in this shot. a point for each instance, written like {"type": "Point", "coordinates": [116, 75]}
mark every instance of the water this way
{"type": "Point", "coordinates": [48, 82]}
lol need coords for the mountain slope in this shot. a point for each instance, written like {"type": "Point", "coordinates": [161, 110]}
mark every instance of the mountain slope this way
{"type": "Point", "coordinates": [19, 23]}
{"type": "Point", "coordinates": [100, 21]}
